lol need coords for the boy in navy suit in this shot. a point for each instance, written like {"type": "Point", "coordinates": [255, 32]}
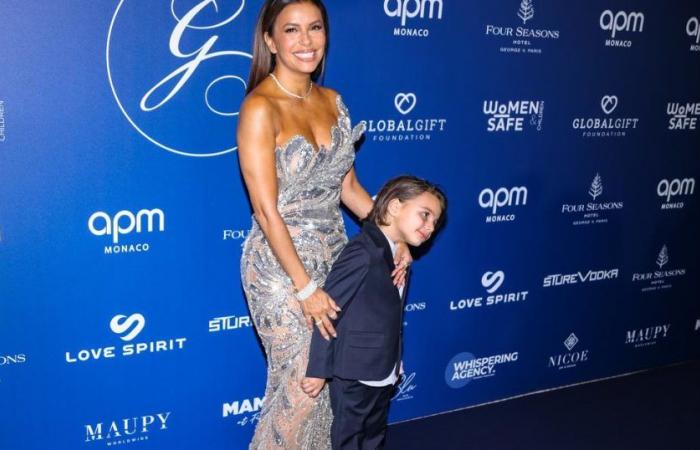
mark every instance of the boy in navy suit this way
{"type": "Point", "coordinates": [363, 362]}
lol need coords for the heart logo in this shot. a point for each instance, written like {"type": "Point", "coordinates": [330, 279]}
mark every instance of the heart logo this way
{"type": "Point", "coordinates": [608, 103]}
{"type": "Point", "coordinates": [121, 323]}
{"type": "Point", "coordinates": [405, 102]}
{"type": "Point", "coordinates": [492, 281]}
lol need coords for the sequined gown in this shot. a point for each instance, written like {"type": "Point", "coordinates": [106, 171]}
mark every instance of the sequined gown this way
{"type": "Point", "coordinates": [309, 184]}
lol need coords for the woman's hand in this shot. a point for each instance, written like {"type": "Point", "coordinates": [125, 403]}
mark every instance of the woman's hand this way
{"type": "Point", "coordinates": [312, 386]}
{"type": "Point", "coordinates": [319, 309]}
{"type": "Point", "coordinates": [402, 260]}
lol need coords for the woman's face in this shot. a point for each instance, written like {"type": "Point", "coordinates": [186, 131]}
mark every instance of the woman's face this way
{"type": "Point", "coordinates": [298, 37]}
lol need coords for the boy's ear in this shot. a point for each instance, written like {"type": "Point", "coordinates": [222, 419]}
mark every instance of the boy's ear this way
{"type": "Point", "coordinates": [394, 207]}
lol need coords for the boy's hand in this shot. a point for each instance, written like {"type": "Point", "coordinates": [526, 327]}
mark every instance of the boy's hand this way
{"type": "Point", "coordinates": [402, 260]}
{"type": "Point", "coordinates": [312, 386]}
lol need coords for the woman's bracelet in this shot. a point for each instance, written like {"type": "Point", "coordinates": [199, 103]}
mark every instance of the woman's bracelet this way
{"type": "Point", "coordinates": [306, 292]}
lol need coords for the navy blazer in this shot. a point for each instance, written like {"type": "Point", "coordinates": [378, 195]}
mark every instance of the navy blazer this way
{"type": "Point", "coordinates": [369, 326]}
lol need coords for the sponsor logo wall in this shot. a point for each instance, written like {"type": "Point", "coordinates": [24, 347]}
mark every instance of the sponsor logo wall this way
{"type": "Point", "coordinates": [569, 252]}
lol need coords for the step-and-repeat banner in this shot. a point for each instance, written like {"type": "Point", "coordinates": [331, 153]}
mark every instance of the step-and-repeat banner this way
{"type": "Point", "coordinates": [565, 134]}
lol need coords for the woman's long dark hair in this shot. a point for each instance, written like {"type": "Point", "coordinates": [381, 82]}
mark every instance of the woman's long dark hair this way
{"type": "Point", "coordinates": [263, 60]}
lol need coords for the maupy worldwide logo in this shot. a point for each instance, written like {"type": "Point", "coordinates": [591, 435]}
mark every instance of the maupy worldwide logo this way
{"type": "Point", "coordinates": [127, 430]}
{"type": "Point", "coordinates": [661, 278]}
{"type": "Point", "coordinates": [124, 224]}
{"type": "Point", "coordinates": [244, 412]}
{"type": "Point", "coordinates": [673, 191]}
{"type": "Point", "coordinates": [513, 115]}
{"type": "Point", "coordinates": [516, 36]}
{"type": "Point", "coordinates": [683, 116]}
{"type": "Point", "coordinates": [571, 358]}
{"type": "Point", "coordinates": [465, 367]}
{"type": "Point", "coordinates": [595, 211]}
{"type": "Point", "coordinates": [620, 26]}
{"type": "Point", "coordinates": [580, 277]}
{"type": "Point", "coordinates": [491, 282]}
{"type": "Point", "coordinates": [184, 98]}
{"type": "Point", "coordinates": [607, 124]}
{"type": "Point", "coordinates": [692, 28]}
{"type": "Point", "coordinates": [647, 336]}
{"type": "Point", "coordinates": [405, 125]}
{"type": "Point", "coordinates": [413, 17]}
{"type": "Point", "coordinates": [127, 328]}
{"type": "Point", "coordinates": [500, 203]}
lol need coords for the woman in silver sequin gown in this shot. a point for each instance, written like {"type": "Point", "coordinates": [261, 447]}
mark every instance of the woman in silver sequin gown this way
{"type": "Point", "coordinates": [295, 187]}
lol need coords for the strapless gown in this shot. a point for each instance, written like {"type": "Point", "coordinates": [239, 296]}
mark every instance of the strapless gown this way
{"type": "Point", "coordinates": [309, 185]}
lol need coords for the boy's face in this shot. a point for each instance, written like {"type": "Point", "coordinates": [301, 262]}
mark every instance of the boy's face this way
{"type": "Point", "coordinates": [415, 220]}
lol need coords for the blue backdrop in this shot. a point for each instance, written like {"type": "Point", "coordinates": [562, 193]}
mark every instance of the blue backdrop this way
{"type": "Point", "coordinates": [564, 133]}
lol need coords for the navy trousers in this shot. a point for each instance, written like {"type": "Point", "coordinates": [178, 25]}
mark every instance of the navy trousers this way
{"type": "Point", "coordinates": [359, 414]}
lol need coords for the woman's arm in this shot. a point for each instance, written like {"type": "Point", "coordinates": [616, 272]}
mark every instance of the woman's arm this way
{"type": "Point", "coordinates": [256, 153]}
{"type": "Point", "coordinates": [354, 196]}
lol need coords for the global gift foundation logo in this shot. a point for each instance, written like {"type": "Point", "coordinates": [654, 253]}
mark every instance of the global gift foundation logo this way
{"type": "Point", "coordinates": [516, 38]}
{"type": "Point", "coordinates": [414, 16]}
{"type": "Point", "coordinates": [192, 76]}
{"type": "Point", "coordinates": [659, 279]}
{"type": "Point", "coordinates": [123, 224]}
{"type": "Point", "coordinates": [607, 125]}
{"type": "Point", "coordinates": [491, 282]}
{"type": "Point", "coordinates": [465, 367]}
{"type": "Point", "coordinates": [593, 212]}
{"type": "Point", "coordinates": [513, 115]}
{"type": "Point", "coordinates": [405, 126]}
{"type": "Point", "coordinates": [571, 358]}
{"type": "Point", "coordinates": [648, 336]}
{"type": "Point", "coordinates": [127, 328]}
{"type": "Point", "coordinates": [502, 198]}
{"type": "Point", "coordinates": [619, 27]}
{"type": "Point", "coordinates": [127, 430]}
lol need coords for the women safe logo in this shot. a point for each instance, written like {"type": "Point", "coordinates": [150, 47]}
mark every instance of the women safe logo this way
{"type": "Point", "coordinates": [174, 75]}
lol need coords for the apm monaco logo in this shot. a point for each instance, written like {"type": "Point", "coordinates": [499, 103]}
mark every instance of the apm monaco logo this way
{"type": "Point", "coordinates": [692, 27]}
{"type": "Point", "coordinates": [229, 323]}
{"type": "Point", "coordinates": [683, 116]}
{"type": "Point", "coordinates": [491, 281]}
{"type": "Point", "coordinates": [245, 412]}
{"type": "Point", "coordinates": [594, 212]}
{"type": "Point", "coordinates": [465, 367]}
{"type": "Point", "coordinates": [179, 84]}
{"type": "Point", "coordinates": [607, 125]}
{"type": "Point", "coordinates": [408, 11]}
{"type": "Point", "coordinates": [645, 337]}
{"type": "Point", "coordinates": [668, 190]}
{"type": "Point", "coordinates": [127, 430]}
{"type": "Point", "coordinates": [12, 359]}
{"type": "Point", "coordinates": [571, 358]}
{"type": "Point", "coordinates": [502, 197]}
{"type": "Point", "coordinates": [514, 115]}
{"type": "Point", "coordinates": [659, 279]}
{"type": "Point", "coordinates": [127, 328]}
{"type": "Point", "coordinates": [619, 25]}
{"type": "Point", "coordinates": [2, 121]}
{"type": "Point", "coordinates": [590, 276]}
{"type": "Point", "coordinates": [520, 39]}
{"type": "Point", "coordinates": [405, 387]}
{"type": "Point", "coordinates": [124, 223]}
{"type": "Point", "coordinates": [403, 128]}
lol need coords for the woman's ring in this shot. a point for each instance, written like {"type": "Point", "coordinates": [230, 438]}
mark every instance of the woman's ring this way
{"type": "Point", "coordinates": [319, 322]}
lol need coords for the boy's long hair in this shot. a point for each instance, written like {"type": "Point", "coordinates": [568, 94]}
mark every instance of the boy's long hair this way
{"type": "Point", "coordinates": [404, 187]}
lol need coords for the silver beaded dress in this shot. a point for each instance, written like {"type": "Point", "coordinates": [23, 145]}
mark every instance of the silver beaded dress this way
{"type": "Point", "coordinates": [309, 185]}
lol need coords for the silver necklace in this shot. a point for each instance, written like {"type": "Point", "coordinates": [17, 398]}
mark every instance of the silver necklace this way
{"type": "Point", "coordinates": [288, 92]}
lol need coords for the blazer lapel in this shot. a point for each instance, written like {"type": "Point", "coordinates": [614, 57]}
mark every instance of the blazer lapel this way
{"type": "Point", "coordinates": [383, 246]}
